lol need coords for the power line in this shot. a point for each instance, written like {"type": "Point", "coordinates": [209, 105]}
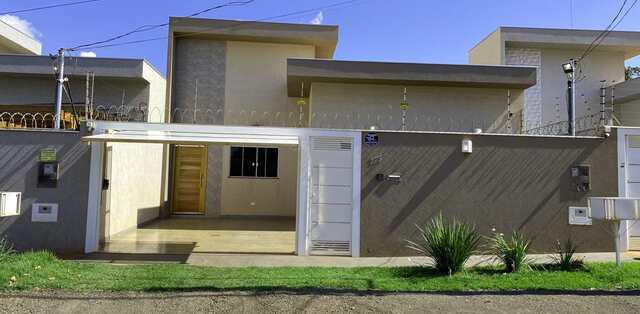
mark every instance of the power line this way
{"type": "Point", "coordinates": [603, 35]}
{"type": "Point", "coordinates": [588, 50]}
{"type": "Point", "coordinates": [239, 23]}
{"type": "Point", "coordinates": [48, 7]}
{"type": "Point", "coordinates": [146, 28]}
{"type": "Point", "coordinates": [16, 29]}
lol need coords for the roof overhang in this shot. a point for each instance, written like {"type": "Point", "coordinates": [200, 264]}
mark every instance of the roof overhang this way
{"type": "Point", "coordinates": [626, 91]}
{"type": "Point", "coordinates": [307, 71]}
{"type": "Point", "coordinates": [16, 41]}
{"type": "Point", "coordinates": [323, 37]}
{"type": "Point", "coordinates": [618, 41]}
{"type": "Point", "coordinates": [118, 68]}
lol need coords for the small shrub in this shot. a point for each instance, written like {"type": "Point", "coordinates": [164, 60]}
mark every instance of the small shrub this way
{"type": "Point", "coordinates": [6, 249]}
{"type": "Point", "coordinates": [449, 244]}
{"type": "Point", "coordinates": [512, 253]}
{"type": "Point", "coordinates": [564, 257]}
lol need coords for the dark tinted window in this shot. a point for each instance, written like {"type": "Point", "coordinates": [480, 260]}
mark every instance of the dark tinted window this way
{"type": "Point", "coordinates": [253, 162]}
{"type": "Point", "coordinates": [272, 162]}
{"type": "Point", "coordinates": [235, 167]}
{"type": "Point", "coordinates": [262, 156]}
{"type": "Point", "coordinates": [249, 163]}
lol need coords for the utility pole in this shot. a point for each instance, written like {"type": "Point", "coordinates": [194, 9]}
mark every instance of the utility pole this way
{"type": "Point", "coordinates": [570, 70]}
{"type": "Point", "coordinates": [59, 87]}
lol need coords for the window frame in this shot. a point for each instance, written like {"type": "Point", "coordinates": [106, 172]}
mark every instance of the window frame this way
{"type": "Point", "coordinates": [256, 165]}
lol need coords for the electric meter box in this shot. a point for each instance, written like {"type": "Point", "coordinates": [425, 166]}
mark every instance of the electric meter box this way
{"type": "Point", "coordinates": [581, 178]}
{"type": "Point", "coordinates": [48, 174]}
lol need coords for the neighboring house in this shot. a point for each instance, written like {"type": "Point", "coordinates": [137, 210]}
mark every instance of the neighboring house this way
{"type": "Point", "coordinates": [626, 102]}
{"type": "Point", "coordinates": [547, 49]}
{"type": "Point", "coordinates": [117, 86]}
{"type": "Point", "coordinates": [270, 146]}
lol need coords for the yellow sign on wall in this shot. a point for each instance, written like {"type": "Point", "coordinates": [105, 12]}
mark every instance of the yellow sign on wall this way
{"type": "Point", "coordinates": [48, 154]}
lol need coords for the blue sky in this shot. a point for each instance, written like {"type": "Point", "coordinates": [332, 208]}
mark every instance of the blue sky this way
{"type": "Point", "coordinates": [386, 30]}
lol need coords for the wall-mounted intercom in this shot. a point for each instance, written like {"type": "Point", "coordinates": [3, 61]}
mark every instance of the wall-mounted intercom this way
{"type": "Point", "coordinates": [581, 178]}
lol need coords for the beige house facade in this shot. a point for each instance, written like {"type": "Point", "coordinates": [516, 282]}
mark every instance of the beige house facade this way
{"type": "Point", "coordinates": [548, 49]}
{"type": "Point", "coordinates": [282, 75]}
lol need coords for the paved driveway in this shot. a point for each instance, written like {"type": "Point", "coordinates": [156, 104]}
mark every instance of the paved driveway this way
{"type": "Point", "coordinates": [240, 302]}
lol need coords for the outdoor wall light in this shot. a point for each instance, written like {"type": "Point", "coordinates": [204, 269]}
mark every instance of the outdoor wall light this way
{"type": "Point", "coordinates": [467, 146]}
{"type": "Point", "coordinates": [568, 69]}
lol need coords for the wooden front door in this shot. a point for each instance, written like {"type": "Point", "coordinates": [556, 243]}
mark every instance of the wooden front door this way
{"type": "Point", "coordinates": [189, 179]}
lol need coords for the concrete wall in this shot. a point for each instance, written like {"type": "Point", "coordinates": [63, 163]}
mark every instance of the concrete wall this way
{"type": "Point", "coordinates": [256, 83]}
{"type": "Point", "coordinates": [507, 183]}
{"type": "Point", "coordinates": [628, 113]}
{"type": "Point", "coordinates": [488, 51]}
{"type": "Point", "coordinates": [262, 196]}
{"type": "Point", "coordinates": [135, 188]}
{"type": "Point", "coordinates": [359, 106]}
{"type": "Point", "coordinates": [532, 112]}
{"type": "Point", "coordinates": [597, 66]}
{"type": "Point", "coordinates": [19, 152]}
{"type": "Point", "coordinates": [157, 93]}
{"type": "Point", "coordinates": [203, 61]}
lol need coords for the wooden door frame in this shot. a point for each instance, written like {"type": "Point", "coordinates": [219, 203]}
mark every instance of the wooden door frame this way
{"type": "Point", "coordinates": [203, 180]}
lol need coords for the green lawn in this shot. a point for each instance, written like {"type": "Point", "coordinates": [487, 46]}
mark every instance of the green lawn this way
{"type": "Point", "coordinates": [43, 271]}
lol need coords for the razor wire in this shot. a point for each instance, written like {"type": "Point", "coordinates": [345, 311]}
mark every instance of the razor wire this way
{"type": "Point", "coordinates": [374, 120]}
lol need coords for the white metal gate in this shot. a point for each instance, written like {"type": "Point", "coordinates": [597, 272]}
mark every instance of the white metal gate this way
{"type": "Point", "coordinates": [331, 206]}
{"type": "Point", "coordinates": [632, 177]}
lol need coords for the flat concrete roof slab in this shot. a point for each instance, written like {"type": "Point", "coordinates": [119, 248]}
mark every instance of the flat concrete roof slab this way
{"type": "Point", "coordinates": [323, 37]}
{"type": "Point", "coordinates": [16, 41]}
{"type": "Point", "coordinates": [79, 66]}
{"type": "Point", "coordinates": [626, 91]}
{"type": "Point", "coordinates": [308, 71]}
{"type": "Point", "coordinates": [622, 41]}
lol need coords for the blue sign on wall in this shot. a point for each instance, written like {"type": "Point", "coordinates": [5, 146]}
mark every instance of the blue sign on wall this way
{"type": "Point", "coordinates": [371, 139]}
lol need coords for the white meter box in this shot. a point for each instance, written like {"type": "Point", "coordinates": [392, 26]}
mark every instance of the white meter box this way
{"type": "Point", "coordinates": [579, 216]}
{"type": "Point", "coordinates": [10, 203]}
{"type": "Point", "coordinates": [44, 212]}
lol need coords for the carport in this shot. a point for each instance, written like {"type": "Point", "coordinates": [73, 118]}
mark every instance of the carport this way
{"type": "Point", "coordinates": [328, 176]}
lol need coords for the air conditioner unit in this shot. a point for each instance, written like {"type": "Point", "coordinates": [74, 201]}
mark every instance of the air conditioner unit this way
{"type": "Point", "coordinates": [10, 203]}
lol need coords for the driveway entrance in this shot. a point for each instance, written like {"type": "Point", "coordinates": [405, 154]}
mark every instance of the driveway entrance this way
{"type": "Point", "coordinates": [327, 199]}
{"type": "Point", "coordinates": [240, 235]}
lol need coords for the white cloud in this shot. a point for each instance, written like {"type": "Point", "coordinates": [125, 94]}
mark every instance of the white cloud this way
{"type": "Point", "coordinates": [317, 20]}
{"type": "Point", "coordinates": [88, 54]}
{"type": "Point", "coordinates": [21, 25]}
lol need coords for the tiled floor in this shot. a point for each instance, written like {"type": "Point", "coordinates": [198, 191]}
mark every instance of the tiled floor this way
{"type": "Point", "coordinates": [200, 235]}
